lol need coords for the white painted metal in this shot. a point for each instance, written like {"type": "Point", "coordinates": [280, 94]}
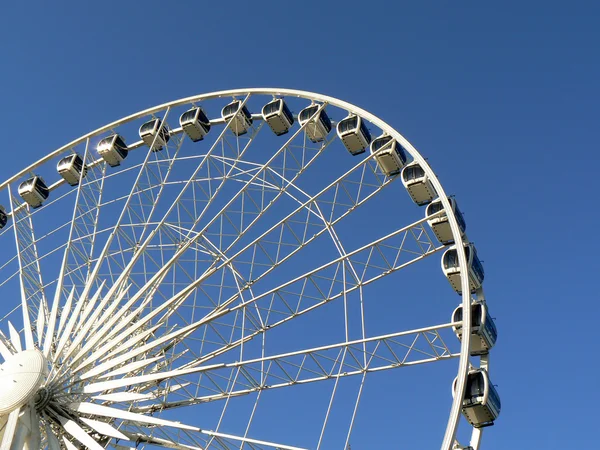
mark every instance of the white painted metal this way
{"type": "Point", "coordinates": [107, 411]}
{"type": "Point", "coordinates": [75, 430]}
{"type": "Point", "coordinates": [20, 377]}
{"type": "Point", "coordinates": [5, 352]}
{"type": "Point", "coordinates": [104, 428]}
{"type": "Point", "coordinates": [123, 397]}
{"type": "Point", "coordinates": [15, 339]}
{"type": "Point", "coordinates": [10, 429]}
{"type": "Point", "coordinates": [68, 444]}
{"type": "Point", "coordinates": [52, 440]}
{"type": "Point", "coordinates": [125, 334]}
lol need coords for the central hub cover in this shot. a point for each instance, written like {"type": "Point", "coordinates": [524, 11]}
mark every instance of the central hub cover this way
{"type": "Point", "coordinates": [20, 378]}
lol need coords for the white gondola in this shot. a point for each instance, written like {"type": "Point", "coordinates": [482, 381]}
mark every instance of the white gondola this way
{"type": "Point", "coordinates": [72, 169]}
{"type": "Point", "coordinates": [34, 191]}
{"type": "Point", "coordinates": [112, 149]}
{"type": "Point", "coordinates": [451, 268]}
{"type": "Point", "coordinates": [481, 403]}
{"type": "Point", "coordinates": [418, 184]}
{"type": "Point", "coordinates": [389, 154]}
{"type": "Point", "coordinates": [483, 329]}
{"type": "Point", "coordinates": [354, 134]}
{"type": "Point", "coordinates": [440, 224]}
{"type": "Point", "coordinates": [240, 122]}
{"type": "Point", "coordinates": [319, 126]}
{"type": "Point", "coordinates": [195, 124]}
{"type": "Point", "coordinates": [152, 129]}
{"type": "Point", "coordinates": [3, 217]}
{"type": "Point", "coordinates": [278, 116]}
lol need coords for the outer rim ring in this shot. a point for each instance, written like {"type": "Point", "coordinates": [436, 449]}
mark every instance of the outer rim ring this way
{"type": "Point", "coordinates": [449, 437]}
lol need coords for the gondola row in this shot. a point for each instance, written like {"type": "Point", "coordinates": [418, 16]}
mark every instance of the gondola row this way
{"type": "Point", "coordinates": [389, 155]}
{"type": "Point", "coordinates": [196, 125]}
{"type": "Point", "coordinates": [481, 402]}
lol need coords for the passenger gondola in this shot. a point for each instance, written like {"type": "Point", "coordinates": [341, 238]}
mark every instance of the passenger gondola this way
{"type": "Point", "coordinates": [440, 223]}
{"type": "Point", "coordinates": [3, 217]}
{"type": "Point", "coordinates": [112, 149]}
{"type": "Point", "coordinates": [240, 122]}
{"type": "Point", "coordinates": [389, 154]}
{"type": "Point", "coordinates": [354, 134]}
{"type": "Point", "coordinates": [483, 329]}
{"type": "Point", "coordinates": [418, 184]}
{"type": "Point", "coordinates": [481, 403]}
{"type": "Point", "coordinates": [451, 268]}
{"type": "Point", "coordinates": [72, 169]}
{"type": "Point", "coordinates": [195, 124]}
{"type": "Point", "coordinates": [155, 132]}
{"type": "Point", "coordinates": [317, 127]}
{"type": "Point", "coordinates": [34, 191]}
{"type": "Point", "coordinates": [278, 116]}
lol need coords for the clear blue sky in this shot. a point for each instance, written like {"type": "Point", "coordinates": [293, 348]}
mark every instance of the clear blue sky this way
{"type": "Point", "coordinates": [502, 97]}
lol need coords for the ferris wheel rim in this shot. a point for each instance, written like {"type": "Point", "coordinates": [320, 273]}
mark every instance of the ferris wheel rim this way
{"type": "Point", "coordinates": [353, 109]}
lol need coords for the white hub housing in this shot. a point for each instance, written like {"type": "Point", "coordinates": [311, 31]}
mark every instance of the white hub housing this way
{"type": "Point", "coordinates": [20, 377]}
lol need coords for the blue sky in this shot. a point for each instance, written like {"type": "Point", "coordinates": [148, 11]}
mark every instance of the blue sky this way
{"type": "Point", "coordinates": [502, 99]}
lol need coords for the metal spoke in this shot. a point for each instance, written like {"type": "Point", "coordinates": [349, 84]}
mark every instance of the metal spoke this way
{"type": "Point", "coordinates": [332, 362]}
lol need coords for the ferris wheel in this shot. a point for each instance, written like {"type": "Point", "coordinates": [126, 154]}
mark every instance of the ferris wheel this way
{"type": "Point", "coordinates": [183, 277]}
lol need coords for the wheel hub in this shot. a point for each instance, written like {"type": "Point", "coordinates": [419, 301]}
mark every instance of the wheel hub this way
{"type": "Point", "coordinates": [21, 376]}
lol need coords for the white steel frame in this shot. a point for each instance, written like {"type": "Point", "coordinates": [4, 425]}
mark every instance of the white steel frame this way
{"type": "Point", "coordinates": [115, 330]}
